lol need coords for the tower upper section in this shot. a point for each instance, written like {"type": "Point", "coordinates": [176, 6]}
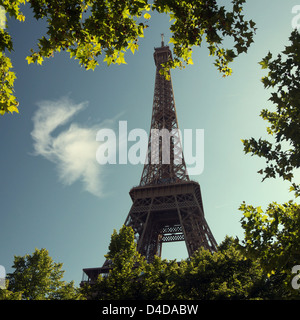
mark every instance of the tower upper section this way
{"type": "Point", "coordinates": [165, 162]}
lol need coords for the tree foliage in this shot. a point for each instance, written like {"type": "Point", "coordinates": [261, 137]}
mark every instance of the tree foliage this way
{"type": "Point", "coordinates": [127, 264]}
{"type": "Point", "coordinates": [8, 102]}
{"type": "Point", "coordinates": [257, 268]}
{"type": "Point", "coordinates": [38, 277]}
{"type": "Point", "coordinates": [91, 30]}
{"type": "Point", "coordinates": [6, 294]}
{"type": "Point", "coordinates": [283, 155]}
{"type": "Point", "coordinates": [225, 274]}
{"type": "Point", "coordinates": [272, 237]}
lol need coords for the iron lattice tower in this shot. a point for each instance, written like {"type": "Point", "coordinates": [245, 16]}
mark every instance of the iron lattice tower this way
{"type": "Point", "coordinates": [167, 206]}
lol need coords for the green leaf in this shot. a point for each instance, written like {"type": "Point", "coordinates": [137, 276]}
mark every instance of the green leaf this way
{"type": "Point", "coordinates": [133, 46]}
{"type": "Point", "coordinates": [30, 59]}
{"type": "Point", "coordinates": [147, 16]}
{"type": "Point", "coordinates": [259, 210]}
{"type": "Point", "coordinates": [121, 59]}
{"type": "Point", "coordinates": [40, 60]}
{"type": "Point", "coordinates": [108, 60]}
{"type": "Point", "coordinates": [190, 61]}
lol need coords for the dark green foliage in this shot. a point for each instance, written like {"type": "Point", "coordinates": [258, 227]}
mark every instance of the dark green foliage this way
{"type": "Point", "coordinates": [272, 237]}
{"type": "Point", "coordinates": [225, 274]}
{"type": "Point", "coordinates": [283, 153]}
{"type": "Point", "coordinates": [38, 277]}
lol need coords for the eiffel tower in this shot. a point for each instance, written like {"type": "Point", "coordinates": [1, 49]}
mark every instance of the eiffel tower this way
{"type": "Point", "coordinates": [167, 206]}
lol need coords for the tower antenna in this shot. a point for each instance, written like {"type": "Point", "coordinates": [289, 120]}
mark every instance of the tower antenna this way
{"type": "Point", "coordinates": [162, 39]}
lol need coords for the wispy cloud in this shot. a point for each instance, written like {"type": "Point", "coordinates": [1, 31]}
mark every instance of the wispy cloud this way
{"type": "Point", "coordinates": [73, 149]}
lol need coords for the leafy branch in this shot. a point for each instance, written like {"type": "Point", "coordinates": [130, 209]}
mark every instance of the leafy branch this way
{"type": "Point", "coordinates": [91, 30]}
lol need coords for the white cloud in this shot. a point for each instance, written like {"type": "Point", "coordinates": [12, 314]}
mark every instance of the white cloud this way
{"type": "Point", "coordinates": [73, 149]}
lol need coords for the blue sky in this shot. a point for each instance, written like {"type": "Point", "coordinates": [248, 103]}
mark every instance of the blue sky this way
{"type": "Point", "coordinates": [55, 195]}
